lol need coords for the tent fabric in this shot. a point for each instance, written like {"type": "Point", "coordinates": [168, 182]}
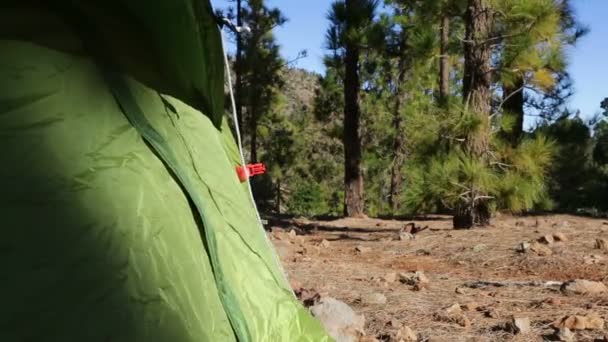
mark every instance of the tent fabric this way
{"type": "Point", "coordinates": [122, 216]}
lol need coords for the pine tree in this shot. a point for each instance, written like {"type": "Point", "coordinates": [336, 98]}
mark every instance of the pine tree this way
{"type": "Point", "coordinates": [259, 68]}
{"type": "Point", "coordinates": [477, 98]}
{"type": "Point", "coordinates": [532, 38]}
{"type": "Point", "coordinates": [350, 21]}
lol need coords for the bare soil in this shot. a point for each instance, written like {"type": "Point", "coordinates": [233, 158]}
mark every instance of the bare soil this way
{"type": "Point", "coordinates": [449, 258]}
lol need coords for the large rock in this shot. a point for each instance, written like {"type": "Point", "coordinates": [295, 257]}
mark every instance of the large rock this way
{"type": "Point", "coordinates": [339, 320]}
{"type": "Point", "coordinates": [583, 287]}
{"type": "Point", "coordinates": [592, 321]}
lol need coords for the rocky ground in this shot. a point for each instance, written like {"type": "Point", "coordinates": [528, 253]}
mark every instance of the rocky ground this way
{"type": "Point", "coordinates": [528, 278]}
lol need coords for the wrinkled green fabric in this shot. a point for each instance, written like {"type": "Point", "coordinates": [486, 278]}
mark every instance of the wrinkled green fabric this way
{"type": "Point", "coordinates": [173, 46]}
{"type": "Point", "coordinates": [100, 240]}
{"type": "Point", "coordinates": [122, 216]}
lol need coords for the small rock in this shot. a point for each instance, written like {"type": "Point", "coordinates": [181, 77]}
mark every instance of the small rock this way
{"type": "Point", "coordinates": [373, 299]}
{"type": "Point", "coordinates": [339, 320]}
{"type": "Point", "coordinates": [547, 239]}
{"type": "Point", "coordinates": [519, 325]}
{"type": "Point", "coordinates": [552, 301]}
{"type": "Point", "coordinates": [601, 244]}
{"type": "Point", "coordinates": [523, 247]}
{"type": "Point", "coordinates": [390, 277]}
{"type": "Point", "coordinates": [472, 306]}
{"type": "Point", "coordinates": [565, 335]}
{"type": "Point", "coordinates": [453, 314]}
{"type": "Point", "coordinates": [540, 250]}
{"type": "Point", "coordinates": [421, 281]}
{"type": "Point", "coordinates": [480, 248]}
{"type": "Point", "coordinates": [324, 244]}
{"type": "Point", "coordinates": [406, 334]}
{"type": "Point", "coordinates": [583, 287]}
{"type": "Point", "coordinates": [404, 236]}
{"type": "Point", "coordinates": [560, 237]}
{"type": "Point", "coordinates": [590, 322]}
{"type": "Point", "coordinates": [363, 249]}
{"type": "Point", "coordinates": [491, 313]}
{"type": "Point", "coordinates": [461, 291]}
{"type": "Point", "coordinates": [292, 234]}
{"type": "Point", "coordinates": [423, 252]}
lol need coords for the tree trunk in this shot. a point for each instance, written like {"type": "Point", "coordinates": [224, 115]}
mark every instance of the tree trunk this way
{"type": "Point", "coordinates": [398, 153]}
{"type": "Point", "coordinates": [398, 158]}
{"type": "Point", "coordinates": [278, 198]}
{"type": "Point", "coordinates": [513, 98]}
{"type": "Point", "coordinates": [238, 69]}
{"type": "Point", "coordinates": [253, 131]}
{"type": "Point", "coordinates": [444, 63]}
{"type": "Point", "coordinates": [353, 179]}
{"type": "Point", "coordinates": [477, 98]}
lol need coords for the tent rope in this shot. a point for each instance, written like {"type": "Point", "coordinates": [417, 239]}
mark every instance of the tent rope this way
{"type": "Point", "coordinates": [240, 146]}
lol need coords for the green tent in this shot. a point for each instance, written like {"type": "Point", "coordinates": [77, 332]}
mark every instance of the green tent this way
{"type": "Point", "coordinates": [122, 216]}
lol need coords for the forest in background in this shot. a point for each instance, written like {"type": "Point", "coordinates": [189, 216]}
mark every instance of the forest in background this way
{"type": "Point", "coordinates": [421, 110]}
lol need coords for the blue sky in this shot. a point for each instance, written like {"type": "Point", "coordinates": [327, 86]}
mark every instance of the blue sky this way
{"type": "Point", "coordinates": [588, 60]}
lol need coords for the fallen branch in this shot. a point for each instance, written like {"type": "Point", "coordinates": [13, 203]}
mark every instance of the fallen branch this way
{"type": "Point", "coordinates": [482, 283]}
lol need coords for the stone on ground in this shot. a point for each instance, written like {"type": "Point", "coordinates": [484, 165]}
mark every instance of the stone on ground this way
{"type": "Point", "coordinates": [592, 321]}
{"type": "Point", "coordinates": [560, 237]}
{"type": "Point", "coordinates": [583, 287]}
{"type": "Point", "coordinates": [547, 239]}
{"type": "Point", "coordinates": [339, 320]}
{"type": "Point", "coordinates": [375, 298]}
{"type": "Point", "coordinates": [519, 325]}
{"type": "Point", "coordinates": [480, 248]}
{"type": "Point", "coordinates": [601, 244]}
{"type": "Point", "coordinates": [523, 247]}
{"type": "Point", "coordinates": [404, 236]}
{"type": "Point", "coordinates": [453, 314]}
{"type": "Point", "coordinates": [565, 335]}
{"type": "Point", "coordinates": [363, 249]}
{"type": "Point", "coordinates": [540, 250]}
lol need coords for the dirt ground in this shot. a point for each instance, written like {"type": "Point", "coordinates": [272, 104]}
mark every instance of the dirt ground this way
{"type": "Point", "coordinates": [450, 259]}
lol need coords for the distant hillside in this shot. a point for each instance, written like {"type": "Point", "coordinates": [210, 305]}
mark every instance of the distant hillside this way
{"type": "Point", "coordinates": [299, 90]}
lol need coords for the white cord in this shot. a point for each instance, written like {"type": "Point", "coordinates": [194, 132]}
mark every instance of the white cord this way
{"type": "Point", "coordinates": [240, 145]}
